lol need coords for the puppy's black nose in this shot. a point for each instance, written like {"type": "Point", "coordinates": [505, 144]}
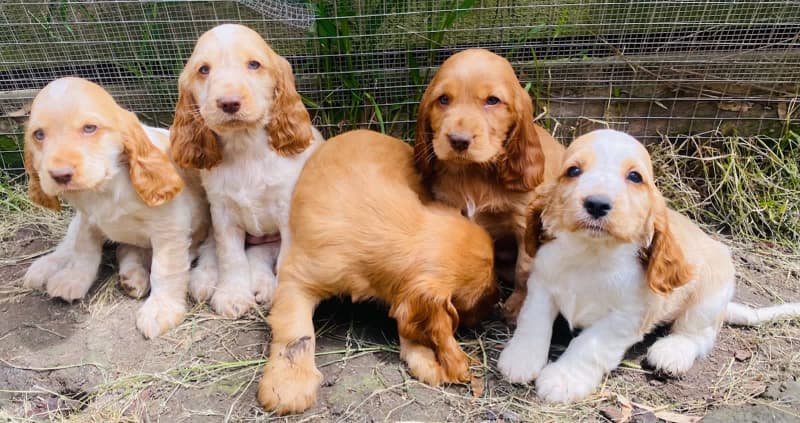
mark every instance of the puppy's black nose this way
{"type": "Point", "coordinates": [459, 141]}
{"type": "Point", "coordinates": [62, 175]}
{"type": "Point", "coordinates": [229, 104]}
{"type": "Point", "coordinates": [597, 205]}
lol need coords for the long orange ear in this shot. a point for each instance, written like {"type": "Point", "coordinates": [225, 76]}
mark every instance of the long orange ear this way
{"type": "Point", "coordinates": [290, 125]}
{"type": "Point", "coordinates": [667, 267]}
{"type": "Point", "coordinates": [153, 176]}
{"type": "Point", "coordinates": [534, 230]}
{"type": "Point", "coordinates": [35, 191]}
{"type": "Point", "coordinates": [522, 166]}
{"type": "Point", "coordinates": [424, 156]}
{"type": "Point", "coordinates": [192, 144]}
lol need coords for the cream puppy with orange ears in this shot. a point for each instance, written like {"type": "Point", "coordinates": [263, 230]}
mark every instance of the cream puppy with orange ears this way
{"type": "Point", "coordinates": [81, 146]}
{"type": "Point", "coordinates": [616, 262]}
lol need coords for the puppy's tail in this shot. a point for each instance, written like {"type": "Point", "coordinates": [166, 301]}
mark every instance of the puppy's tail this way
{"type": "Point", "coordinates": [742, 315]}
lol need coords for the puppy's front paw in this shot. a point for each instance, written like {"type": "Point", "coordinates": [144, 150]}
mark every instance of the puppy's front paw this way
{"type": "Point", "coordinates": [71, 282]}
{"type": "Point", "coordinates": [288, 387]}
{"type": "Point", "coordinates": [202, 282]}
{"type": "Point", "coordinates": [673, 355]}
{"type": "Point", "coordinates": [159, 314]}
{"type": "Point", "coordinates": [135, 281]}
{"type": "Point", "coordinates": [232, 302]}
{"type": "Point", "coordinates": [41, 270]}
{"type": "Point", "coordinates": [518, 362]}
{"type": "Point", "coordinates": [563, 382]}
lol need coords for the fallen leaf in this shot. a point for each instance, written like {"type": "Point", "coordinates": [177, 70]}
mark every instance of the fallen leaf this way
{"type": "Point", "coordinates": [616, 414]}
{"type": "Point", "coordinates": [742, 355]}
{"type": "Point", "coordinates": [735, 106]}
{"type": "Point", "coordinates": [676, 418]}
{"type": "Point", "coordinates": [783, 109]}
{"type": "Point", "coordinates": [476, 382]}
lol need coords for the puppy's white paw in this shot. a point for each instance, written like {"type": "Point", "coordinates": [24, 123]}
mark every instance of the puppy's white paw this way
{"type": "Point", "coordinates": [566, 382]}
{"type": "Point", "coordinates": [41, 270]}
{"type": "Point", "coordinates": [264, 285]}
{"type": "Point", "coordinates": [135, 281]}
{"type": "Point", "coordinates": [517, 364]}
{"type": "Point", "coordinates": [160, 314]}
{"type": "Point", "coordinates": [232, 302]}
{"type": "Point", "coordinates": [71, 283]}
{"type": "Point", "coordinates": [673, 354]}
{"type": "Point", "coordinates": [202, 282]}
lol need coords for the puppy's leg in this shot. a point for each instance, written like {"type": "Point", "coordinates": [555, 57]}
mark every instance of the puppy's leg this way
{"type": "Point", "coordinates": [262, 276]}
{"type": "Point", "coordinates": [526, 353]}
{"type": "Point", "coordinates": [596, 351]}
{"type": "Point", "coordinates": [291, 378]}
{"type": "Point", "coordinates": [233, 296]}
{"type": "Point", "coordinates": [165, 308]}
{"type": "Point", "coordinates": [134, 276]}
{"type": "Point", "coordinates": [522, 272]}
{"type": "Point", "coordinates": [70, 270]}
{"type": "Point", "coordinates": [203, 278]}
{"type": "Point", "coordinates": [692, 335]}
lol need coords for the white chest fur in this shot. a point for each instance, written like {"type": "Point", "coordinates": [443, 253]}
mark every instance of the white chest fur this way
{"type": "Point", "coordinates": [589, 280]}
{"type": "Point", "coordinates": [253, 184]}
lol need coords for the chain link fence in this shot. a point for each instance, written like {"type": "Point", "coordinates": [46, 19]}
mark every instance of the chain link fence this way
{"type": "Point", "coordinates": [651, 68]}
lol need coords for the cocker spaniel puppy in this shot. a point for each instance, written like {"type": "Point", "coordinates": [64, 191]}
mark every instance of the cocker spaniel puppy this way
{"type": "Point", "coordinates": [240, 120]}
{"type": "Point", "coordinates": [84, 148]}
{"type": "Point", "coordinates": [478, 149]}
{"type": "Point", "coordinates": [359, 229]}
{"type": "Point", "coordinates": [616, 262]}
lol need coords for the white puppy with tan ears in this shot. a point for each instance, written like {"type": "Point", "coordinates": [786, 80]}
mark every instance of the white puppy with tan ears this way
{"type": "Point", "coordinates": [80, 145]}
{"type": "Point", "coordinates": [616, 262]}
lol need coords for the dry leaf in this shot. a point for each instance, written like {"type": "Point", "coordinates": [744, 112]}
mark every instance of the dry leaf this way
{"type": "Point", "coordinates": [742, 355]}
{"type": "Point", "coordinates": [735, 106]}
{"type": "Point", "coordinates": [616, 414]}
{"type": "Point", "coordinates": [783, 110]}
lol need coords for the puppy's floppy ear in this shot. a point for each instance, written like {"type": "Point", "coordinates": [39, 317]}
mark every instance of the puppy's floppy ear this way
{"type": "Point", "coordinates": [35, 191]}
{"type": "Point", "coordinates": [667, 267]}
{"type": "Point", "coordinates": [153, 175]}
{"type": "Point", "coordinates": [192, 144]}
{"type": "Point", "coordinates": [534, 230]}
{"type": "Point", "coordinates": [521, 167]}
{"type": "Point", "coordinates": [424, 156]}
{"type": "Point", "coordinates": [289, 126]}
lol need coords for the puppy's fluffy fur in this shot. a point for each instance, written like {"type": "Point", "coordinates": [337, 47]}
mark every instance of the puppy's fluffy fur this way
{"type": "Point", "coordinates": [81, 146]}
{"type": "Point", "coordinates": [615, 261]}
{"type": "Point", "coordinates": [359, 229]}
{"type": "Point", "coordinates": [478, 149]}
{"type": "Point", "coordinates": [240, 120]}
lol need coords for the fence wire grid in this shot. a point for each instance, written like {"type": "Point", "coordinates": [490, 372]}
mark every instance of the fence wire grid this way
{"type": "Point", "coordinates": [651, 68]}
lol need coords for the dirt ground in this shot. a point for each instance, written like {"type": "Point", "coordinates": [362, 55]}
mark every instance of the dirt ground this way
{"type": "Point", "coordinates": [87, 362]}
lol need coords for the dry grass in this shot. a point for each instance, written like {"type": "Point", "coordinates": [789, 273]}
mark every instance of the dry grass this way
{"type": "Point", "coordinates": [208, 367]}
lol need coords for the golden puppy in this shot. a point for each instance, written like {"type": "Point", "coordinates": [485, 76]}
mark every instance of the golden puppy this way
{"type": "Point", "coordinates": [360, 230]}
{"type": "Point", "coordinates": [615, 261]}
{"type": "Point", "coordinates": [83, 147]}
{"type": "Point", "coordinates": [240, 120]}
{"type": "Point", "coordinates": [478, 149]}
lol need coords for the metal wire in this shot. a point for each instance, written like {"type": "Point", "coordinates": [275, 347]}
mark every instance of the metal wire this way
{"type": "Point", "coordinates": [646, 67]}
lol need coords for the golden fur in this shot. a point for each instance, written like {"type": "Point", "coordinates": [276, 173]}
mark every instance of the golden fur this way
{"type": "Point", "coordinates": [360, 229]}
{"type": "Point", "coordinates": [508, 155]}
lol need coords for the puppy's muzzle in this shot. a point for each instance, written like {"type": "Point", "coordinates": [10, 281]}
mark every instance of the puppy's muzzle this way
{"type": "Point", "coordinates": [62, 175]}
{"type": "Point", "coordinates": [597, 206]}
{"type": "Point", "coordinates": [459, 141]}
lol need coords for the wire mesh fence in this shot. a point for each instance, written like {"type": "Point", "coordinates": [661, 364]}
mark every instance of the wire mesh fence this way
{"type": "Point", "coordinates": [651, 68]}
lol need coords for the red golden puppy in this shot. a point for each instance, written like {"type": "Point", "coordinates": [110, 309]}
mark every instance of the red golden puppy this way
{"type": "Point", "coordinates": [478, 149]}
{"type": "Point", "coordinates": [360, 230]}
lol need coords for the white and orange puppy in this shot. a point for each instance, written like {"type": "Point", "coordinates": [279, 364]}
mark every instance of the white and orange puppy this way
{"type": "Point", "coordinates": [240, 120]}
{"type": "Point", "coordinates": [616, 262]}
{"type": "Point", "coordinates": [83, 147]}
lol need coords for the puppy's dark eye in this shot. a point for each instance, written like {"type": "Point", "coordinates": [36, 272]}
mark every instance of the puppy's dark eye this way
{"type": "Point", "coordinates": [253, 65]}
{"type": "Point", "coordinates": [38, 134]}
{"type": "Point", "coordinates": [492, 100]}
{"type": "Point", "coordinates": [89, 129]}
{"type": "Point", "coordinates": [444, 100]}
{"type": "Point", "coordinates": [634, 177]}
{"type": "Point", "coordinates": [204, 70]}
{"type": "Point", "coordinates": [574, 171]}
